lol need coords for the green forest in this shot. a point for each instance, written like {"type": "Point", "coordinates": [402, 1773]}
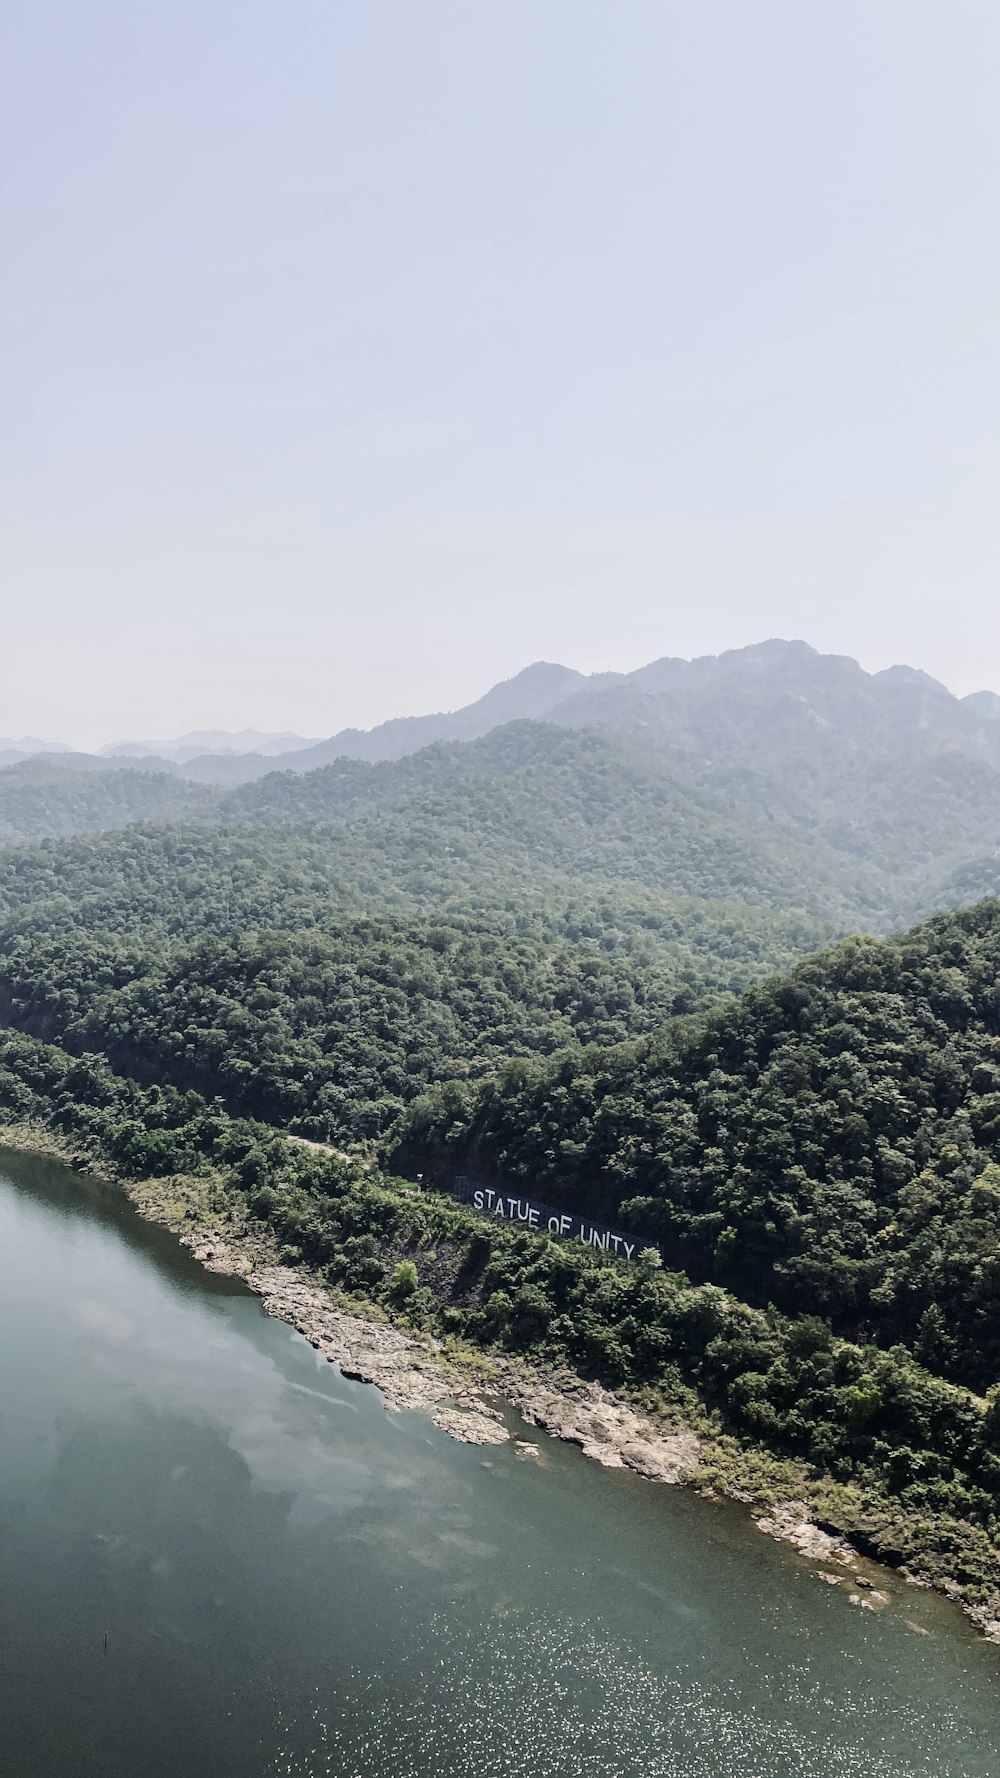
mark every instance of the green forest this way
{"type": "Point", "coordinates": [615, 977]}
{"type": "Point", "coordinates": [842, 842]}
{"type": "Point", "coordinates": [828, 1142]}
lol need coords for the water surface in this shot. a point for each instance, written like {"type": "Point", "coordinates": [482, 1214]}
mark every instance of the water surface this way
{"type": "Point", "coordinates": [293, 1581]}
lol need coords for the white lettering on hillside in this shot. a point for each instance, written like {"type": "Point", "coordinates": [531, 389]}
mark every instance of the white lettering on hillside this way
{"type": "Point", "coordinates": [566, 1227]}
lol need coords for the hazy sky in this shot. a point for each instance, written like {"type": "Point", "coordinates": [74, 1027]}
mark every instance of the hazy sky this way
{"type": "Point", "coordinates": [356, 353]}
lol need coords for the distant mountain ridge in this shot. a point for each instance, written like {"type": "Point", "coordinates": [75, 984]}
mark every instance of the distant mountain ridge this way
{"type": "Point", "coordinates": [770, 776]}
{"type": "Point", "coordinates": [746, 702]}
{"type": "Point", "coordinates": [533, 693]}
{"type": "Point", "coordinates": [696, 704]}
{"type": "Point", "coordinates": [199, 742]}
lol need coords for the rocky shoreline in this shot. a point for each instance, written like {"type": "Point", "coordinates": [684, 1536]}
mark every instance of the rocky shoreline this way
{"type": "Point", "coordinates": [415, 1373]}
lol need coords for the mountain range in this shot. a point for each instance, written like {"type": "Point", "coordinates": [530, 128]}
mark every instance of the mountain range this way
{"type": "Point", "coordinates": [535, 941]}
{"type": "Point", "coordinates": [769, 776]}
{"type": "Point", "coordinates": [749, 702]}
{"type": "Point", "coordinates": [199, 742]}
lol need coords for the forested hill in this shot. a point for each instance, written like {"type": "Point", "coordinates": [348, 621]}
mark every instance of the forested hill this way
{"type": "Point", "coordinates": [183, 881]}
{"type": "Point", "coordinates": [873, 849]}
{"type": "Point", "coordinates": [510, 957]}
{"type": "Point", "coordinates": [42, 799]}
{"type": "Point", "coordinates": [829, 1142]}
{"type": "Point", "coordinates": [323, 985]}
{"type": "Point", "coordinates": [583, 803]}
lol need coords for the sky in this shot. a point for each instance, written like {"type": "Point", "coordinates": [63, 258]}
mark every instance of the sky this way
{"type": "Point", "coordinates": [355, 353]}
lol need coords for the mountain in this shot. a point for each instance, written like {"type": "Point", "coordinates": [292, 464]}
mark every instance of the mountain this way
{"type": "Point", "coordinates": [578, 801]}
{"type": "Point", "coordinates": [31, 744]}
{"type": "Point", "coordinates": [533, 693]}
{"type": "Point", "coordinates": [871, 845]}
{"type": "Point", "coordinates": [866, 838]}
{"type": "Point", "coordinates": [217, 756]}
{"type": "Point", "coordinates": [829, 1143]}
{"type": "Point", "coordinates": [40, 799]}
{"type": "Point", "coordinates": [777, 707]}
{"type": "Point", "coordinates": [755, 705]}
{"type": "Point", "coordinates": [12, 751]}
{"type": "Point", "coordinates": [782, 705]}
{"type": "Point", "coordinates": [901, 675]}
{"type": "Point", "coordinates": [770, 775]}
{"type": "Point", "coordinates": [199, 742]}
{"type": "Point", "coordinates": [985, 704]}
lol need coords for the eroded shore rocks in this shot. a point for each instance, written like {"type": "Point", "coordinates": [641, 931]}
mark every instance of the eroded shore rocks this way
{"type": "Point", "coordinates": [412, 1372]}
{"type": "Point", "coordinates": [605, 1428]}
{"type": "Point", "coordinates": [790, 1522]}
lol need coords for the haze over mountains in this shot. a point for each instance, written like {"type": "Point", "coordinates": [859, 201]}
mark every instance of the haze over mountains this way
{"type": "Point", "coordinates": [707, 705]}
{"type": "Point", "coordinates": [199, 742]}
{"type": "Point", "coordinates": [771, 776]}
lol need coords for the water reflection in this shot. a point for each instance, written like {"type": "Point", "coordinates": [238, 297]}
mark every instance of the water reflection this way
{"type": "Point", "coordinates": [293, 1581]}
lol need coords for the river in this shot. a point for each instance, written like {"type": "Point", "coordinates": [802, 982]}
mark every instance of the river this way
{"type": "Point", "coordinates": [219, 1559]}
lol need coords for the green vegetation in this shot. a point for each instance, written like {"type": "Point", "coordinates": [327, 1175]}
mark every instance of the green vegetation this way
{"type": "Point", "coordinates": [178, 882]}
{"type": "Point", "coordinates": [41, 800]}
{"type": "Point", "coordinates": [569, 962]}
{"type": "Point", "coordinates": [828, 1142]}
{"type": "Point", "coordinates": [239, 963]}
{"type": "Point", "coordinates": [525, 798]}
{"type": "Point", "coordinates": [332, 1033]}
{"type": "Point", "coordinates": [906, 1463]}
{"type": "Point", "coordinates": [772, 777]}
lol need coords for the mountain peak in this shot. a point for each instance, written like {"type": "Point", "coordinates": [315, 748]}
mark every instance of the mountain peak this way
{"type": "Point", "coordinates": [903, 675]}
{"type": "Point", "coordinates": [543, 673]}
{"type": "Point", "coordinates": [983, 703]}
{"type": "Point", "coordinates": [532, 692]}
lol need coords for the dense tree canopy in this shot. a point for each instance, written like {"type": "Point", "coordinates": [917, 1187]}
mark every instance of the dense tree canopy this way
{"type": "Point", "coordinates": [334, 1032]}
{"type": "Point", "coordinates": [43, 800]}
{"type": "Point", "coordinates": [301, 976]}
{"type": "Point", "coordinates": [829, 1142]}
{"type": "Point", "coordinates": [849, 840]}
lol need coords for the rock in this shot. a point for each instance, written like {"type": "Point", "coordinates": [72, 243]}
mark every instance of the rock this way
{"type": "Point", "coordinates": [527, 1451]}
{"type": "Point", "coordinates": [985, 1619]}
{"type": "Point", "coordinates": [473, 1426]}
{"type": "Point", "coordinates": [873, 1601]}
{"type": "Point", "coordinates": [606, 1429]}
{"type": "Point", "coordinates": [790, 1522]}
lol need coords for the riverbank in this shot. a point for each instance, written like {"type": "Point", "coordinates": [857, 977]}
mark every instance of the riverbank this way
{"type": "Point", "coordinates": [458, 1389]}
{"type": "Point", "coordinates": [469, 1392]}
